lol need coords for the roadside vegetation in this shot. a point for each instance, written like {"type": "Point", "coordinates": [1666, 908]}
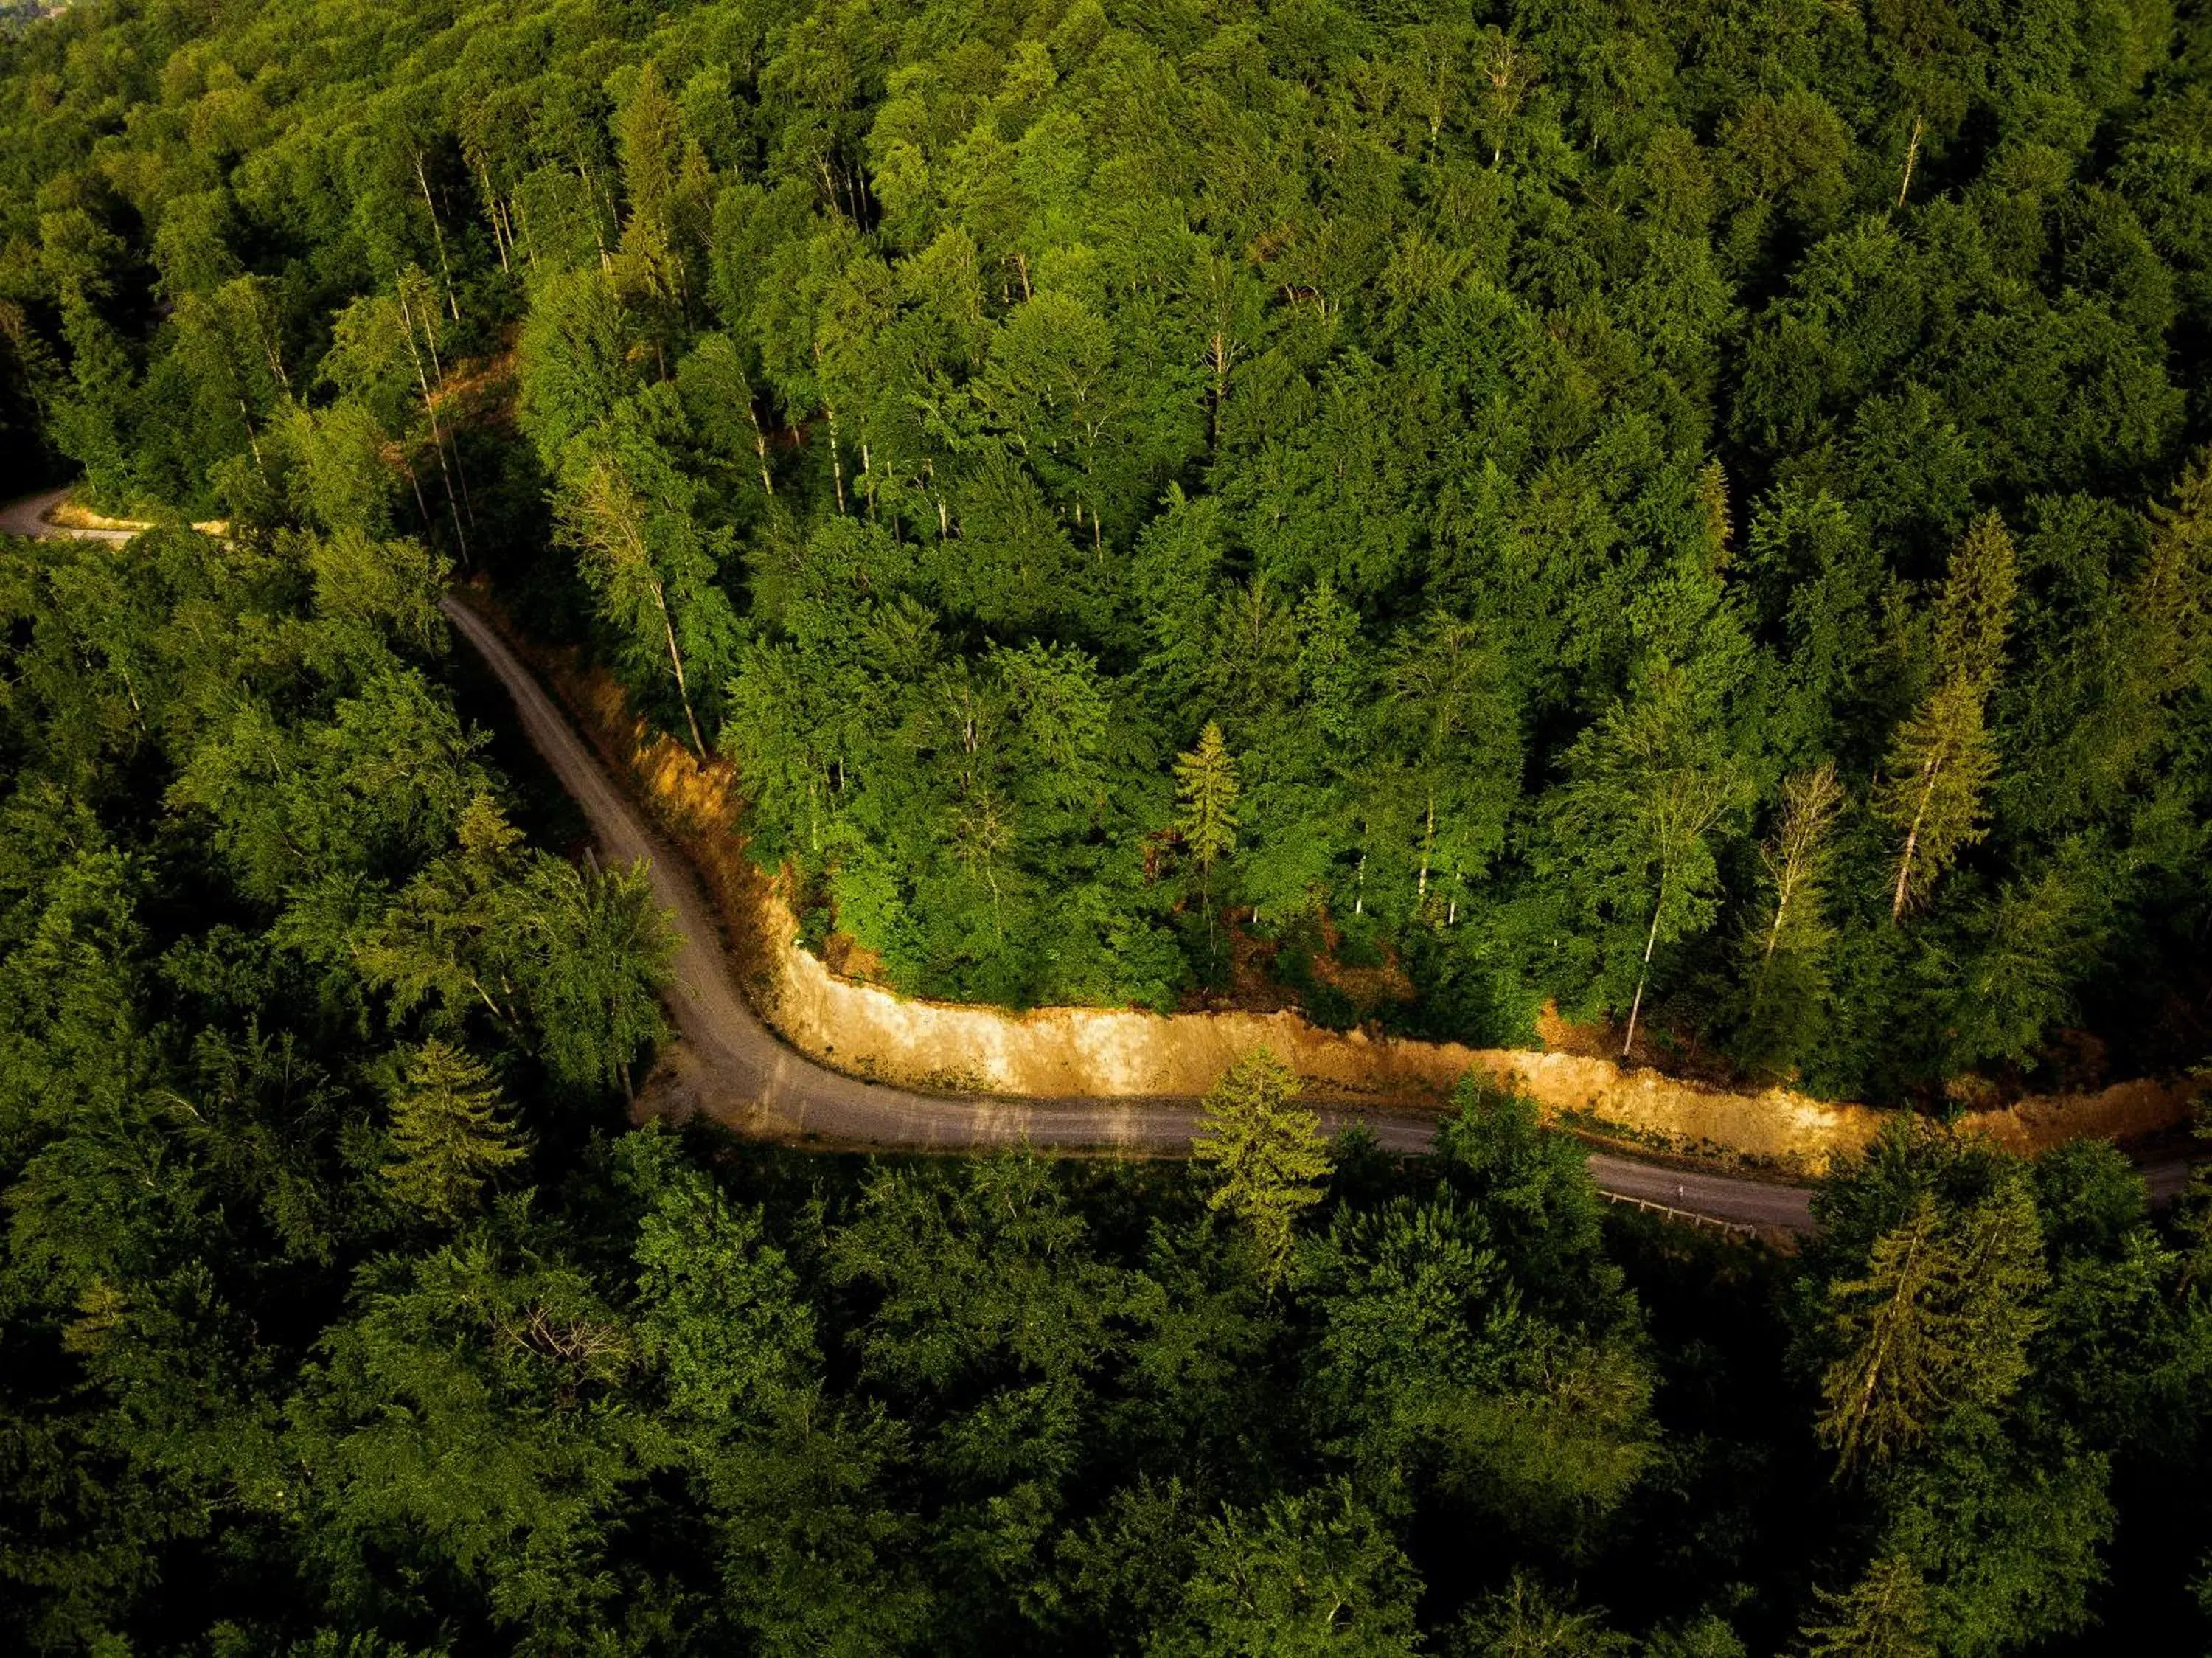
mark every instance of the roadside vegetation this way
{"type": "Point", "coordinates": [337, 1315]}
{"type": "Point", "coordinates": [1696, 514]}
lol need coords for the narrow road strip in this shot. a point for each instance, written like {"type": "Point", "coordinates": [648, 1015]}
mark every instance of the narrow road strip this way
{"type": "Point", "coordinates": [740, 1072]}
{"type": "Point", "coordinates": [743, 1075]}
{"type": "Point", "coordinates": [28, 518]}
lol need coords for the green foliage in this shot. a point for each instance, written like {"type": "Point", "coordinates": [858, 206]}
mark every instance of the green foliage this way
{"type": "Point", "coordinates": [1885, 1612]}
{"type": "Point", "coordinates": [1941, 1323]}
{"type": "Point", "coordinates": [1266, 1151]}
{"type": "Point", "coordinates": [1604, 505]}
{"type": "Point", "coordinates": [1943, 761]}
{"type": "Point", "coordinates": [1523, 1621]}
{"type": "Point", "coordinates": [1308, 1573]}
{"type": "Point", "coordinates": [1437, 411]}
{"type": "Point", "coordinates": [1205, 784]}
{"type": "Point", "coordinates": [1648, 786]}
{"type": "Point", "coordinates": [448, 1130]}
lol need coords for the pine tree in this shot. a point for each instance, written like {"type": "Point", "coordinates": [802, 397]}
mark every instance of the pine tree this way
{"type": "Point", "coordinates": [1883, 1615]}
{"type": "Point", "coordinates": [1943, 761]}
{"type": "Point", "coordinates": [1205, 782]}
{"type": "Point", "coordinates": [450, 1129]}
{"type": "Point", "coordinates": [1941, 1319]}
{"type": "Point", "coordinates": [1974, 612]}
{"type": "Point", "coordinates": [1941, 764]}
{"type": "Point", "coordinates": [1266, 1151]}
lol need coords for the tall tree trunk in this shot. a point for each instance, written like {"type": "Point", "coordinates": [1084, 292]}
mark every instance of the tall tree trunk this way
{"type": "Point", "coordinates": [529, 242]}
{"type": "Point", "coordinates": [421, 506]}
{"type": "Point", "coordinates": [1219, 353]}
{"type": "Point", "coordinates": [598, 225]}
{"type": "Point", "coordinates": [676, 662]}
{"type": "Point", "coordinates": [836, 461]}
{"type": "Point", "coordinates": [1911, 155]}
{"type": "Point", "coordinates": [437, 435]}
{"type": "Point", "coordinates": [760, 444]}
{"type": "Point", "coordinates": [253, 442]}
{"type": "Point", "coordinates": [491, 212]}
{"type": "Point", "coordinates": [1928, 774]}
{"type": "Point", "coordinates": [437, 368]}
{"type": "Point", "coordinates": [1650, 943]}
{"type": "Point", "coordinates": [438, 233]}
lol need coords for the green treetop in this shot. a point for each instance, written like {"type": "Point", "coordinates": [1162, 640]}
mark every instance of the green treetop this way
{"type": "Point", "coordinates": [1266, 1152]}
{"type": "Point", "coordinates": [450, 1129]}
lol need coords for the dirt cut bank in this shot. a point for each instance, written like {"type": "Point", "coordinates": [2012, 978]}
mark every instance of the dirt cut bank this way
{"type": "Point", "coordinates": [1111, 1052]}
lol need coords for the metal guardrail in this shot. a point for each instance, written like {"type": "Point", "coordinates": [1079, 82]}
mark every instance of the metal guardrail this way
{"type": "Point", "coordinates": [1650, 1206]}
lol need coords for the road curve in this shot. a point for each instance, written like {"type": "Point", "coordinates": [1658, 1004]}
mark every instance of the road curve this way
{"type": "Point", "coordinates": [28, 518]}
{"type": "Point", "coordinates": [741, 1073]}
{"type": "Point", "coordinates": [737, 1070]}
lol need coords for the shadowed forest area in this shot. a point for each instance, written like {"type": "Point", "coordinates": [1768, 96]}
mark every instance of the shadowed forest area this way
{"type": "Point", "coordinates": [1697, 514]}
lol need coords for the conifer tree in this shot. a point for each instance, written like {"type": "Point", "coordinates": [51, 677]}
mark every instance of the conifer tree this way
{"type": "Point", "coordinates": [2169, 603]}
{"type": "Point", "coordinates": [610, 522]}
{"type": "Point", "coordinates": [1974, 614]}
{"type": "Point", "coordinates": [1795, 859]}
{"type": "Point", "coordinates": [1266, 1152]}
{"type": "Point", "coordinates": [1786, 943]}
{"type": "Point", "coordinates": [450, 1129]}
{"type": "Point", "coordinates": [1205, 783]}
{"type": "Point", "coordinates": [1941, 1319]}
{"type": "Point", "coordinates": [1940, 767]}
{"type": "Point", "coordinates": [1650, 782]}
{"type": "Point", "coordinates": [1942, 759]}
{"type": "Point", "coordinates": [1883, 1615]}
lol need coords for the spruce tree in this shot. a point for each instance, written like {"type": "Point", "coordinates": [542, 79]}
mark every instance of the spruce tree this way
{"type": "Point", "coordinates": [450, 1129]}
{"type": "Point", "coordinates": [1974, 614]}
{"type": "Point", "coordinates": [1786, 943]}
{"type": "Point", "coordinates": [1883, 1615]}
{"type": "Point", "coordinates": [1885, 1388]}
{"type": "Point", "coordinates": [1941, 764]}
{"type": "Point", "coordinates": [1795, 859]}
{"type": "Point", "coordinates": [1942, 759]}
{"type": "Point", "coordinates": [611, 525]}
{"type": "Point", "coordinates": [1266, 1150]}
{"type": "Point", "coordinates": [1941, 1321]}
{"type": "Point", "coordinates": [1205, 783]}
{"type": "Point", "coordinates": [1648, 786]}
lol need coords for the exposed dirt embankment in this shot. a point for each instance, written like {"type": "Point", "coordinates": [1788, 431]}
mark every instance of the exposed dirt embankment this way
{"type": "Point", "coordinates": [68, 514]}
{"type": "Point", "coordinates": [1055, 1051]}
{"type": "Point", "coordinates": [1063, 1053]}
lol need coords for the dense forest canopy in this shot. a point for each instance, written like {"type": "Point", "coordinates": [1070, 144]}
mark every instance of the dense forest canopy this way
{"type": "Point", "coordinates": [336, 1323]}
{"type": "Point", "coordinates": [1688, 511]}
{"type": "Point", "coordinates": [1694, 511]}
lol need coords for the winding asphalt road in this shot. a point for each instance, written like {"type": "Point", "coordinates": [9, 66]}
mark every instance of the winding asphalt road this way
{"type": "Point", "coordinates": [738, 1071]}
{"type": "Point", "coordinates": [730, 1065]}
{"type": "Point", "coordinates": [28, 518]}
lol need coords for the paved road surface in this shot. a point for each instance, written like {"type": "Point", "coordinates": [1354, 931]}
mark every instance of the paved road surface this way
{"type": "Point", "coordinates": [740, 1072]}
{"type": "Point", "coordinates": [734, 1067]}
{"type": "Point", "coordinates": [28, 517]}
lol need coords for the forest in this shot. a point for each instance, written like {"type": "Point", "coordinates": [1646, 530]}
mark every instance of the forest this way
{"type": "Point", "coordinates": [1697, 516]}
{"type": "Point", "coordinates": [340, 1317]}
